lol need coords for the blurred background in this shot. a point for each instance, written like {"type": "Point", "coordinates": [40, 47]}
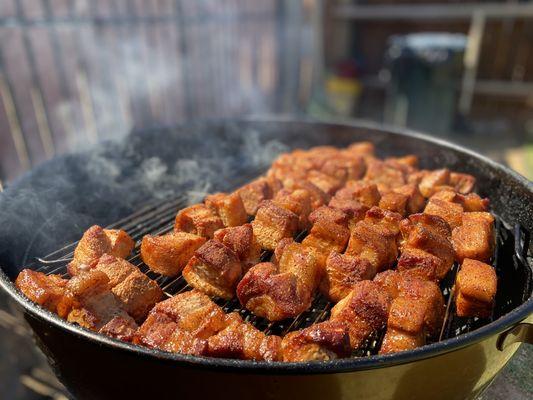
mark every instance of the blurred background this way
{"type": "Point", "coordinates": [74, 72]}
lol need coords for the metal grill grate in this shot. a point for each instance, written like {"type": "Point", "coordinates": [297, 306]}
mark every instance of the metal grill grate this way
{"type": "Point", "coordinates": [158, 218]}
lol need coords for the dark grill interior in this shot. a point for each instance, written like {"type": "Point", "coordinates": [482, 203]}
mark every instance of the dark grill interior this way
{"type": "Point", "coordinates": [513, 267]}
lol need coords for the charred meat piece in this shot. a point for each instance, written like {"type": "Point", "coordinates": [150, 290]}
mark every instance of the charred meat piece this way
{"type": "Point", "coordinates": [354, 210]}
{"type": "Point", "coordinates": [385, 175]}
{"type": "Point", "coordinates": [342, 273]}
{"type": "Point", "coordinates": [243, 341]}
{"type": "Point", "coordinates": [229, 207]}
{"type": "Point", "coordinates": [242, 241]}
{"type": "Point", "coordinates": [318, 196]}
{"type": "Point", "coordinates": [120, 328]}
{"type": "Point", "coordinates": [469, 202]}
{"type": "Point", "coordinates": [364, 192]}
{"type": "Point", "coordinates": [344, 167]}
{"type": "Point", "coordinates": [136, 292]}
{"type": "Point", "coordinates": [433, 181]}
{"type": "Point", "coordinates": [326, 340]}
{"type": "Point", "coordinates": [462, 183]}
{"type": "Point", "coordinates": [199, 220]}
{"type": "Point", "coordinates": [254, 193]}
{"type": "Point", "coordinates": [420, 263]}
{"type": "Point", "coordinates": [168, 254]}
{"type": "Point", "coordinates": [214, 269]}
{"type": "Point", "coordinates": [415, 200]}
{"type": "Point", "coordinates": [475, 238]}
{"type": "Point", "coordinates": [297, 201]}
{"type": "Point", "coordinates": [281, 292]}
{"type": "Point", "coordinates": [393, 201]}
{"type": "Point", "coordinates": [364, 311]}
{"type": "Point", "coordinates": [452, 213]}
{"type": "Point", "coordinates": [324, 182]}
{"type": "Point", "coordinates": [97, 241]}
{"type": "Point", "coordinates": [92, 304]}
{"type": "Point", "coordinates": [273, 223]}
{"type": "Point", "coordinates": [365, 149]}
{"type": "Point", "coordinates": [45, 290]}
{"type": "Point", "coordinates": [475, 286]}
{"type": "Point", "coordinates": [431, 234]}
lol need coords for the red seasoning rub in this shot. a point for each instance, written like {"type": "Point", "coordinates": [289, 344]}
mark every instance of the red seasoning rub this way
{"type": "Point", "coordinates": [168, 254]}
{"type": "Point", "coordinates": [97, 241]}
{"type": "Point", "coordinates": [199, 220]}
{"type": "Point", "coordinates": [475, 289]}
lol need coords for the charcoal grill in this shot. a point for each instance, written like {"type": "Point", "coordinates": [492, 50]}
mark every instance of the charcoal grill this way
{"type": "Point", "coordinates": [484, 345]}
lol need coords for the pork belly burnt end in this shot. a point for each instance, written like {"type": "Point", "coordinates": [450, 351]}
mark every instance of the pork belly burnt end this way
{"type": "Point", "coordinates": [476, 286]}
{"type": "Point", "coordinates": [342, 273]}
{"type": "Point", "coordinates": [45, 290]}
{"type": "Point", "coordinates": [273, 223]}
{"type": "Point", "coordinates": [242, 241]}
{"type": "Point", "coordinates": [364, 311]}
{"type": "Point", "coordinates": [254, 193]}
{"type": "Point", "coordinates": [364, 192]}
{"type": "Point", "coordinates": [214, 269]}
{"type": "Point", "coordinates": [452, 213]}
{"type": "Point", "coordinates": [243, 341]}
{"type": "Point", "coordinates": [326, 340]}
{"type": "Point", "coordinates": [120, 328]}
{"type": "Point", "coordinates": [297, 201]}
{"type": "Point", "coordinates": [168, 254]}
{"type": "Point", "coordinates": [97, 241]}
{"type": "Point", "coordinates": [281, 292]}
{"type": "Point", "coordinates": [475, 238]}
{"type": "Point", "coordinates": [136, 292]}
{"type": "Point", "coordinates": [198, 219]}
{"type": "Point", "coordinates": [229, 207]}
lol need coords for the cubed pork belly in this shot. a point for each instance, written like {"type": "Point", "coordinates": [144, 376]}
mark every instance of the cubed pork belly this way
{"type": "Point", "coordinates": [278, 292]}
{"type": "Point", "coordinates": [385, 175]}
{"type": "Point", "coordinates": [433, 181]}
{"type": "Point", "coordinates": [254, 193]}
{"type": "Point", "coordinates": [365, 149]}
{"type": "Point", "coordinates": [364, 311]}
{"type": "Point", "coordinates": [229, 207]}
{"type": "Point", "coordinates": [318, 196]}
{"type": "Point", "coordinates": [431, 234]}
{"type": "Point", "coordinates": [475, 289]}
{"type": "Point", "coordinates": [242, 241]}
{"type": "Point", "coordinates": [297, 201]}
{"type": "Point", "coordinates": [409, 160]}
{"type": "Point", "coordinates": [475, 238]}
{"type": "Point", "coordinates": [243, 341]}
{"type": "Point", "coordinates": [120, 328]}
{"type": "Point", "coordinates": [342, 273]}
{"type": "Point", "coordinates": [354, 209]}
{"type": "Point", "coordinates": [415, 200]}
{"type": "Point", "coordinates": [46, 290]}
{"type": "Point", "coordinates": [273, 223]}
{"type": "Point", "coordinates": [97, 241]}
{"type": "Point", "coordinates": [328, 184]}
{"type": "Point", "coordinates": [462, 183]}
{"type": "Point", "coordinates": [452, 213]}
{"type": "Point", "coordinates": [168, 254]}
{"type": "Point", "coordinates": [136, 292]}
{"type": "Point", "coordinates": [470, 202]}
{"type": "Point", "coordinates": [214, 269]}
{"type": "Point", "coordinates": [323, 341]}
{"type": "Point", "coordinates": [393, 201]}
{"type": "Point", "coordinates": [344, 167]}
{"type": "Point", "coordinates": [199, 220]}
{"type": "Point", "coordinates": [364, 192]}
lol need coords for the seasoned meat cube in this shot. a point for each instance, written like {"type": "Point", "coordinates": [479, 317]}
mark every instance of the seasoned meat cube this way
{"type": "Point", "coordinates": [452, 213]}
{"type": "Point", "coordinates": [463, 183]}
{"type": "Point", "coordinates": [191, 312]}
{"type": "Point", "coordinates": [344, 167]}
{"type": "Point", "coordinates": [243, 341]}
{"type": "Point", "coordinates": [364, 192]}
{"type": "Point", "coordinates": [97, 241]}
{"type": "Point", "coordinates": [419, 263]}
{"type": "Point", "coordinates": [297, 201]}
{"type": "Point", "coordinates": [242, 241]}
{"type": "Point", "coordinates": [184, 342]}
{"type": "Point", "coordinates": [342, 273]}
{"type": "Point", "coordinates": [326, 183]}
{"type": "Point", "coordinates": [326, 340]}
{"type": "Point", "coordinates": [352, 208]}
{"type": "Point", "coordinates": [476, 285]}
{"type": "Point", "coordinates": [281, 292]}
{"type": "Point", "coordinates": [168, 254]}
{"type": "Point", "coordinates": [364, 311]}
{"type": "Point", "coordinates": [390, 281]}
{"type": "Point", "coordinates": [415, 200]}
{"type": "Point", "coordinates": [361, 148]}
{"type": "Point", "coordinates": [405, 326]}
{"type": "Point", "coordinates": [45, 290]}
{"type": "Point", "coordinates": [409, 160]}
{"type": "Point", "coordinates": [429, 233]}
{"type": "Point", "coordinates": [318, 196]}
{"type": "Point", "coordinates": [433, 180]}
{"type": "Point", "coordinates": [120, 328]}
{"type": "Point", "coordinates": [92, 304]}
{"type": "Point", "coordinates": [329, 232]}
{"type": "Point", "coordinates": [198, 219]}
{"type": "Point", "coordinates": [136, 292]}
{"type": "Point", "coordinates": [214, 269]}
{"type": "Point", "coordinates": [254, 193]}
{"type": "Point", "coordinates": [475, 237]}
{"type": "Point", "coordinates": [385, 174]}
{"type": "Point", "coordinates": [393, 201]}
{"type": "Point", "coordinates": [273, 223]}
{"type": "Point", "coordinates": [470, 202]}
{"type": "Point", "coordinates": [229, 207]}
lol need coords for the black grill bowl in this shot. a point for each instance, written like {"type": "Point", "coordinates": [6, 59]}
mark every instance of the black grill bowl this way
{"type": "Point", "coordinates": [55, 203]}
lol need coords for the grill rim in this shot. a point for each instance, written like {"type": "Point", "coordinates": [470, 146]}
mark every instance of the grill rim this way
{"type": "Point", "coordinates": [304, 368]}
